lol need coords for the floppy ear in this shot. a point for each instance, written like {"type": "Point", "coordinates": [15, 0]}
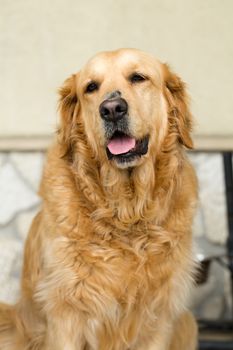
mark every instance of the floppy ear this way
{"type": "Point", "coordinates": [68, 106]}
{"type": "Point", "coordinates": [178, 102]}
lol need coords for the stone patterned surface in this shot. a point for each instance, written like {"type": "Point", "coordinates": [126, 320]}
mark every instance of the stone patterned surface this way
{"type": "Point", "coordinates": [212, 204]}
{"type": "Point", "coordinates": [16, 194]}
{"type": "Point", "coordinates": [20, 174]}
{"type": "Point", "coordinates": [19, 180]}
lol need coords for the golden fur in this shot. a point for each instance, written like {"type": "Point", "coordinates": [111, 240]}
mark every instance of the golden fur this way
{"type": "Point", "coordinates": [108, 262]}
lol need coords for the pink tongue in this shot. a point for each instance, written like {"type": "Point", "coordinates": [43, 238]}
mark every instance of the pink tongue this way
{"type": "Point", "coordinates": [121, 144]}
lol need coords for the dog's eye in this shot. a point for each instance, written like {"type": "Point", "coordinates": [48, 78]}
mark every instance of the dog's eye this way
{"type": "Point", "coordinates": [137, 78]}
{"type": "Point", "coordinates": [91, 87]}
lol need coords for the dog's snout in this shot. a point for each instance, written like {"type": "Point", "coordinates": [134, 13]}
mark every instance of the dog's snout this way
{"type": "Point", "coordinates": [113, 94]}
{"type": "Point", "coordinates": [113, 109]}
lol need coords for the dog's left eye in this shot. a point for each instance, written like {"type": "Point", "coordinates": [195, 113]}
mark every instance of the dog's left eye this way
{"type": "Point", "coordinates": [137, 78]}
{"type": "Point", "coordinates": [91, 87]}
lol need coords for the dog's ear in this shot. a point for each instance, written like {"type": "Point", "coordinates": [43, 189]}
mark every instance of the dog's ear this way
{"type": "Point", "coordinates": [68, 107]}
{"type": "Point", "coordinates": [178, 104]}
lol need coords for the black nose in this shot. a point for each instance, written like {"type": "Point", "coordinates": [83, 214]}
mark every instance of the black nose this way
{"type": "Point", "coordinates": [113, 109]}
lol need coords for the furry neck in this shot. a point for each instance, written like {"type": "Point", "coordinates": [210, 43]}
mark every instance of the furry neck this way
{"type": "Point", "coordinates": [122, 198]}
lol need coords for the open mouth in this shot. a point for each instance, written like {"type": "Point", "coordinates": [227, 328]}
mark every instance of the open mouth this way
{"type": "Point", "coordinates": [125, 148]}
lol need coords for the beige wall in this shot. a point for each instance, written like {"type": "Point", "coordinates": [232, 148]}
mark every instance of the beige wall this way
{"type": "Point", "coordinates": [42, 42]}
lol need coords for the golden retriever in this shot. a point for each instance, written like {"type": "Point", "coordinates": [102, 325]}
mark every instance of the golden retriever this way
{"type": "Point", "coordinates": [108, 262]}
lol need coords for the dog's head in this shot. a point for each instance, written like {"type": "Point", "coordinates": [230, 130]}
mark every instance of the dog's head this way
{"type": "Point", "coordinates": [126, 102]}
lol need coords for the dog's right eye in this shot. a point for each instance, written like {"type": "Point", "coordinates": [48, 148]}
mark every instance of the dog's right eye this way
{"type": "Point", "coordinates": [91, 87]}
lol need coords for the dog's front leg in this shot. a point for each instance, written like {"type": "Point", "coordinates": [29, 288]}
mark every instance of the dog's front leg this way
{"type": "Point", "coordinates": [182, 335]}
{"type": "Point", "coordinates": [64, 334]}
{"type": "Point", "coordinates": [159, 339]}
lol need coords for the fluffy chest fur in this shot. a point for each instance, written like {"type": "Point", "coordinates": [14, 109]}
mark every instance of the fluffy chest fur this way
{"type": "Point", "coordinates": [121, 285]}
{"type": "Point", "coordinates": [115, 278]}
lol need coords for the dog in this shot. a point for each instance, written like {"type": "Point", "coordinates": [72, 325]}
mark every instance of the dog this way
{"type": "Point", "coordinates": [108, 262]}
